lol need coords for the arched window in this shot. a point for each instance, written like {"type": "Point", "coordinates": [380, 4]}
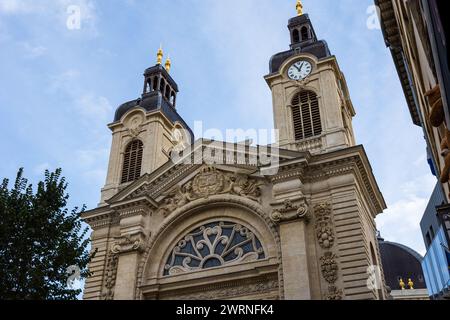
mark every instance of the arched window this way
{"type": "Point", "coordinates": [167, 92]}
{"type": "Point", "coordinates": [295, 36]}
{"type": "Point", "coordinates": [306, 115]}
{"type": "Point", "coordinates": [305, 33]}
{"type": "Point", "coordinates": [132, 161]}
{"type": "Point", "coordinates": [162, 86]}
{"type": "Point", "coordinates": [155, 83]}
{"type": "Point", "coordinates": [216, 244]}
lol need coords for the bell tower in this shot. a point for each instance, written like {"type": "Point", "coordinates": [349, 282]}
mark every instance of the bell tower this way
{"type": "Point", "coordinates": [145, 130]}
{"type": "Point", "coordinates": [311, 104]}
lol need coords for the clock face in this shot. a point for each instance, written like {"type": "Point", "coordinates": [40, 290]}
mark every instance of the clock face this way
{"type": "Point", "coordinates": [300, 70]}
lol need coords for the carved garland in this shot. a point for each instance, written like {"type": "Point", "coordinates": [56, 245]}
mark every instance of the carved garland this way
{"type": "Point", "coordinates": [110, 275]}
{"type": "Point", "coordinates": [323, 225]}
{"type": "Point", "coordinates": [329, 267]}
{"type": "Point", "coordinates": [325, 237]}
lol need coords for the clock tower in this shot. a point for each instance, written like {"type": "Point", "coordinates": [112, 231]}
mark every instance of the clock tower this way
{"type": "Point", "coordinates": [312, 108]}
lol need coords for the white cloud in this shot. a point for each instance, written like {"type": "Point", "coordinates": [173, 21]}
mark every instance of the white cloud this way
{"type": "Point", "coordinates": [32, 51]}
{"type": "Point", "coordinates": [64, 81]}
{"type": "Point", "coordinates": [95, 177]}
{"type": "Point", "coordinates": [88, 158]}
{"type": "Point", "coordinates": [95, 108]}
{"type": "Point", "coordinates": [40, 168]}
{"type": "Point", "coordinates": [400, 222]}
{"type": "Point", "coordinates": [16, 6]}
{"type": "Point", "coordinates": [54, 10]}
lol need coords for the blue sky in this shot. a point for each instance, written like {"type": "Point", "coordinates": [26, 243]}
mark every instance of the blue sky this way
{"type": "Point", "coordinates": [59, 87]}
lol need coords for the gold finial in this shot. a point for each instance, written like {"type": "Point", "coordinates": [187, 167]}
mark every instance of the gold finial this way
{"type": "Point", "coordinates": [168, 64]}
{"type": "Point", "coordinates": [159, 55]}
{"type": "Point", "coordinates": [411, 284]}
{"type": "Point", "coordinates": [299, 7]}
{"type": "Point", "coordinates": [402, 284]}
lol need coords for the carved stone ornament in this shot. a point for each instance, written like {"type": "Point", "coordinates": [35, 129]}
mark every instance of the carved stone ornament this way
{"type": "Point", "coordinates": [263, 287]}
{"type": "Point", "coordinates": [334, 293]}
{"type": "Point", "coordinates": [323, 225]}
{"type": "Point", "coordinates": [129, 242]}
{"type": "Point", "coordinates": [208, 182]}
{"type": "Point", "coordinates": [110, 275]}
{"type": "Point", "coordinates": [135, 126]}
{"type": "Point", "coordinates": [290, 211]}
{"type": "Point", "coordinates": [329, 267]}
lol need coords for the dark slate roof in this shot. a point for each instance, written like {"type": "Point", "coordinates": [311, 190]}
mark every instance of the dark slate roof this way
{"type": "Point", "coordinates": [160, 69]}
{"type": "Point", "coordinates": [400, 261]}
{"type": "Point", "coordinates": [152, 102]}
{"type": "Point", "coordinates": [319, 49]}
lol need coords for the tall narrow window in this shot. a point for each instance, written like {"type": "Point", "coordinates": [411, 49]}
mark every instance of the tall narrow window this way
{"type": "Point", "coordinates": [306, 115]}
{"type": "Point", "coordinates": [305, 33]}
{"type": "Point", "coordinates": [295, 36]}
{"type": "Point", "coordinates": [155, 83]}
{"type": "Point", "coordinates": [132, 161]}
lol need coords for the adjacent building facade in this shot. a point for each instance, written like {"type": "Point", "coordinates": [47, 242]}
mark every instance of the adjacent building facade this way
{"type": "Point", "coordinates": [436, 263]}
{"type": "Point", "coordinates": [219, 220]}
{"type": "Point", "coordinates": [418, 39]}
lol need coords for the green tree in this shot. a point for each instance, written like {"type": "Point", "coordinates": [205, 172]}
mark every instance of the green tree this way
{"type": "Point", "coordinates": [40, 240]}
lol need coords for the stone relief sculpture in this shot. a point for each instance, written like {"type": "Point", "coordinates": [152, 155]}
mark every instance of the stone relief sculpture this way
{"type": "Point", "coordinates": [323, 225]}
{"type": "Point", "coordinates": [329, 267]}
{"type": "Point", "coordinates": [289, 211]}
{"type": "Point", "coordinates": [325, 237]}
{"type": "Point", "coordinates": [213, 245]}
{"type": "Point", "coordinates": [208, 182]}
{"type": "Point", "coordinates": [110, 276]}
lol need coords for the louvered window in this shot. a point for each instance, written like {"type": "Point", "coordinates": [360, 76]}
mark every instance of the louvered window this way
{"type": "Point", "coordinates": [306, 115]}
{"type": "Point", "coordinates": [132, 161]}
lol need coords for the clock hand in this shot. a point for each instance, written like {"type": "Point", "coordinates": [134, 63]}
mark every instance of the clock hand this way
{"type": "Point", "coordinates": [299, 68]}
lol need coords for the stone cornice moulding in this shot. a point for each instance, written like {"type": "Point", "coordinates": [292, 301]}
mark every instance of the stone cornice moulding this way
{"type": "Point", "coordinates": [323, 166]}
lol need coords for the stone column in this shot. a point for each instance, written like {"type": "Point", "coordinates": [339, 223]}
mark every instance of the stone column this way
{"type": "Point", "coordinates": [291, 212]}
{"type": "Point", "coordinates": [128, 248]}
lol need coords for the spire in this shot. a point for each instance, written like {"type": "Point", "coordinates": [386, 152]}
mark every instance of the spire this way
{"type": "Point", "coordinates": [159, 55]}
{"type": "Point", "coordinates": [168, 64]}
{"type": "Point", "coordinates": [299, 7]}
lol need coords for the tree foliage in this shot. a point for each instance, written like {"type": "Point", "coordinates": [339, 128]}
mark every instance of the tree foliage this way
{"type": "Point", "coordinates": [40, 239]}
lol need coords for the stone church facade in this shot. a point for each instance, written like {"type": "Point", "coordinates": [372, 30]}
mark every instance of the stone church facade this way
{"type": "Point", "coordinates": [219, 222]}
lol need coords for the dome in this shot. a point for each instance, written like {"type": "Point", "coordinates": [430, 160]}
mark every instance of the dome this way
{"type": "Point", "coordinates": [400, 261]}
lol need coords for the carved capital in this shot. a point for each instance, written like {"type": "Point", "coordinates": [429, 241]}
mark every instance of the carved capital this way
{"type": "Point", "coordinates": [129, 243]}
{"type": "Point", "coordinates": [290, 210]}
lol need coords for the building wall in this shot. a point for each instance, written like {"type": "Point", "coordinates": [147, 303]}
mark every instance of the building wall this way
{"type": "Point", "coordinates": [436, 267]}
{"type": "Point", "coordinates": [415, 46]}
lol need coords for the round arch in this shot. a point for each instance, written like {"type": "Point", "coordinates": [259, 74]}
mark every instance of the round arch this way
{"type": "Point", "coordinates": [228, 208]}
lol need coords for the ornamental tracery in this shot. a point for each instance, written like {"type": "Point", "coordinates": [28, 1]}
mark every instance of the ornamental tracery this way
{"type": "Point", "coordinates": [214, 245]}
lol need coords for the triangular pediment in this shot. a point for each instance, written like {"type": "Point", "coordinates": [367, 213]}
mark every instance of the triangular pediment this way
{"type": "Point", "coordinates": [152, 186]}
